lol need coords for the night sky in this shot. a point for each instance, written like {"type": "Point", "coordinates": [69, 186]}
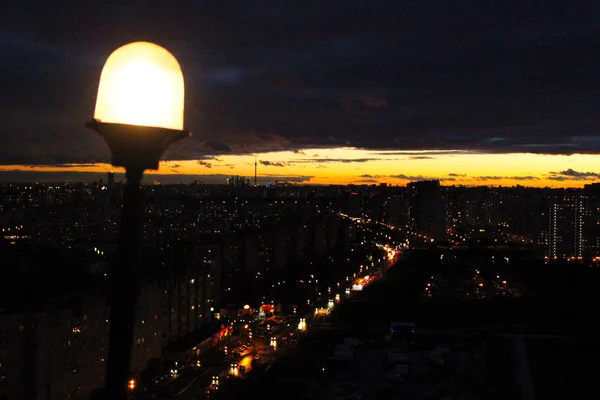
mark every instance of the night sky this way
{"type": "Point", "coordinates": [402, 89]}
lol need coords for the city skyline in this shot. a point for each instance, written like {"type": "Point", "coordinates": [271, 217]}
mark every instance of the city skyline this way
{"type": "Point", "coordinates": [510, 100]}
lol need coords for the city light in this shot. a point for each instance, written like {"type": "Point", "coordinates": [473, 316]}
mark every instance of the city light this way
{"type": "Point", "coordinates": [302, 324]}
{"type": "Point", "coordinates": [131, 384]}
{"type": "Point", "coordinates": [479, 283]}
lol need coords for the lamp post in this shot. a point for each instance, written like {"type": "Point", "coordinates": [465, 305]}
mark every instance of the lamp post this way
{"type": "Point", "coordinates": [139, 113]}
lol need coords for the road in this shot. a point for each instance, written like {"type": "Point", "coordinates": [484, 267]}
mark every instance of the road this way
{"type": "Point", "coordinates": [197, 388]}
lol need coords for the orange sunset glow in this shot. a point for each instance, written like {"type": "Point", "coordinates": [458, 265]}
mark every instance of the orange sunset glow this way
{"type": "Point", "coordinates": [357, 166]}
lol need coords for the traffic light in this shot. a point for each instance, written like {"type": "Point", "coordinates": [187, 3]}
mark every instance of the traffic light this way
{"type": "Point", "coordinates": [131, 384]}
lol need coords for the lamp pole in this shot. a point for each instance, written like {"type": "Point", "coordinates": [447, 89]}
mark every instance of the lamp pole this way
{"type": "Point", "coordinates": [139, 113]}
{"type": "Point", "coordinates": [136, 148]}
{"type": "Point", "coordinates": [123, 277]}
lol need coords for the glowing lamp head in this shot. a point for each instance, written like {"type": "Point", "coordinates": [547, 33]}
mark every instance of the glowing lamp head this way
{"type": "Point", "coordinates": [141, 84]}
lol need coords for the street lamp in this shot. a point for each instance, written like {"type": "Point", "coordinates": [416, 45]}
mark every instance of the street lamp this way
{"type": "Point", "coordinates": [139, 113]}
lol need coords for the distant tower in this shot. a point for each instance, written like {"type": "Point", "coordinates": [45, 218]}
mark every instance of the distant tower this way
{"type": "Point", "coordinates": [255, 167]}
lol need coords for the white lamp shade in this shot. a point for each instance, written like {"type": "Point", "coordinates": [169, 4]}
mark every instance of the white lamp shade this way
{"type": "Point", "coordinates": [141, 84]}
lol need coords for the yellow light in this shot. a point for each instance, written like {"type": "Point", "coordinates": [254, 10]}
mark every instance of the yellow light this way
{"type": "Point", "coordinates": [131, 384]}
{"type": "Point", "coordinates": [141, 84]}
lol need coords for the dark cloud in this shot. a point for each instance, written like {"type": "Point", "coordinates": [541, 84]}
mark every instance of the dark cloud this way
{"type": "Point", "coordinates": [374, 101]}
{"type": "Point", "coordinates": [458, 175]}
{"type": "Point", "coordinates": [571, 174]}
{"type": "Point", "coordinates": [368, 180]}
{"type": "Point", "coordinates": [329, 160]}
{"type": "Point", "coordinates": [272, 163]}
{"type": "Point", "coordinates": [514, 178]}
{"type": "Point", "coordinates": [424, 153]}
{"type": "Point", "coordinates": [218, 147]}
{"type": "Point", "coordinates": [490, 76]}
{"type": "Point", "coordinates": [364, 104]}
{"type": "Point", "coordinates": [298, 152]}
{"type": "Point", "coordinates": [421, 158]}
{"type": "Point", "coordinates": [412, 177]}
{"type": "Point", "coordinates": [204, 163]}
{"type": "Point", "coordinates": [65, 165]}
{"type": "Point", "coordinates": [561, 178]}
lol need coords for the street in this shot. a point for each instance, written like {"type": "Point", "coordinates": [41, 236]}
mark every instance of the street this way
{"type": "Point", "coordinates": [260, 335]}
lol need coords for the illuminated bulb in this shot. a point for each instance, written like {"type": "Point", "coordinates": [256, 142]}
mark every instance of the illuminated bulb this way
{"type": "Point", "coordinates": [141, 84]}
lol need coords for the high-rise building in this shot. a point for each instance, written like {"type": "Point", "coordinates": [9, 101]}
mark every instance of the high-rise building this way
{"type": "Point", "coordinates": [592, 222]}
{"type": "Point", "coordinates": [110, 181]}
{"type": "Point", "coordinates": [565, 227]}
{"type": "Point", "coordinates": [56, 353]}
{"type": "Point", "coordinates": [427, 214]}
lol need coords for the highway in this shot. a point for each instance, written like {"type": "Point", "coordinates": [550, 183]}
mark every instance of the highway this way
{"type": "Point", "coordinates": [284, 329]}
{"type": "Point", "coordinates": [198, 387]}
